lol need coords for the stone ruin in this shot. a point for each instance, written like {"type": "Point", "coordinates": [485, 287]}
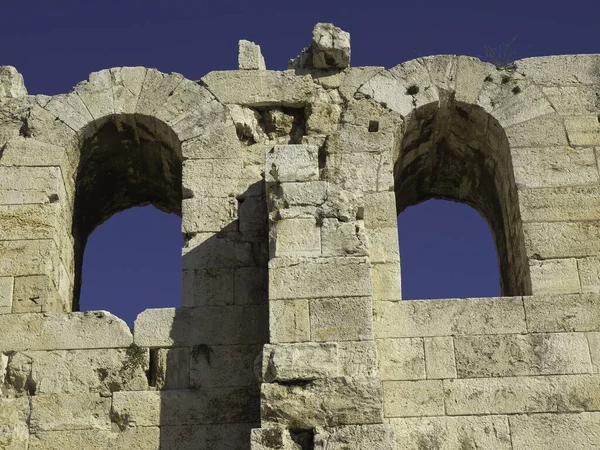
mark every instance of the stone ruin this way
{"type": "Point", "coordinates": [291, 333]}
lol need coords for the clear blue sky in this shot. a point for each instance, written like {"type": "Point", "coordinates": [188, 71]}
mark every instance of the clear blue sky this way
{"type": "Point", "coordinates": [133, 261]}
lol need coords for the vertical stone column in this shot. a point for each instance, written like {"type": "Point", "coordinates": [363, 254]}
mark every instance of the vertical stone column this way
{"type": "Point", "coordinates": [320, 383]}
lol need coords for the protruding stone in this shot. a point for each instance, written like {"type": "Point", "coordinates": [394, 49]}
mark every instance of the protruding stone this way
{"type": "Point", "coordinates": [11, 83]}
{"type": "Point", "coordinates": [330, 47]}
{"type": "Point", "coordinates": [250, 56]}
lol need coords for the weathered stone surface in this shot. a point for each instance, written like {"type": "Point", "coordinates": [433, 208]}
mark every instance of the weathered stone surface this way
{"type": "Point", "coordinates": [562, 393]}
{"type": "Point", "coordinates": [330, 47]}
{"type": "Point", "coordinates": [11, 83]}
{"type": "Point", "coordinates": [594, 343]}
{"type": "Point", "coordinates": [304, 362]}
{"type": "Point", "coordinates": [14, 428]}
{"type": "Point", "coordinates": [55, 412]}
{"type": "Point", "coordinates": [562, 239]}
{"type": "Point", "coordinates": [341, 319]}
{"type": "Point", "coordinates": [222, 365]}
{"type": "Point", "coordinates": [401, 359]}
{"type": "Point", "coordinates": [562, 313]}
{"type": "Point", "coordinates": [439, 357]}
{"type": "Point", "coordinates": [6, 294]}
{"type": "Point", "coordinates": [249, 56]}
{"type": "Point", "coordinates": [67, 331]}
{"type": "Point", "coordinates": [21, 185]}
{"type": "Point", "coordinates": [289, 321]}
{"type": "Point", "coordinates": [560, 204]}
{"type": "Point", "coordinates": [284, 163]}
{"type": "Point", "coordinates": [413, 398]}
{"type": "Point", "coordinates": [554, 276]}
{"type": "Point", "coordinates": [448, 317]}
{"type": "Point", "coordinates": [148, 437]}
{"type": "Point", "coordinates": [358, 358]}
{"type": "Point", "coordinates": [328, 402]}
{"type": "Point", "coordinates": [295, 237]}
{"type": "Point", "coordinates": [215, 437]}
{"type": "Point", "coordinates": [545, 431]}
{"type": "Point", "coordinates": [453, 433]}
{"type": "Point", "coordinates": [171, 368]}
{"type": "Point", "coordinates": [517, 354]}
{"type": "Point", "coordinates": [357, 437]}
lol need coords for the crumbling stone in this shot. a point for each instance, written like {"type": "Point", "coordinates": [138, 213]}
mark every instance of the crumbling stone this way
{"type": "Point", "coordinates": [250, 57]}
{"type": "Point", "coordinates": [11, 83]}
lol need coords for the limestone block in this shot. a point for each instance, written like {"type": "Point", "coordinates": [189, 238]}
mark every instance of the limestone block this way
{"type": "Point", "coordinates": [284, 163]}
{"type": "Point", "coordinates": [11, 83]}
{"type": "Point", "coordinates": [356, 437]}
{"type": "Point", "coordinates": [562, 239]}
{"type": "Point", "coordinates": [554, 276]}
{"type": "Point", "coordinates": [529, 104]}
{"type": "Point", "coordinates": [554, 166]}
{"type": "Point", "coordinates": [300, 194]}
{"type": "Point", "coordinates": [215, 437]}
{"type": "Point", "coordinates": [223, 365]}
{"type": "Point", "coordinates": [148, 437]}
{"type": "Point", "coordinates": [544, 131]}
{"type": "Point", "coordinates": [210, 250]}
{"type": "Point", "coordinates": [260, 87]}
{"type": "Point", "coordinates": [210, 286]}
{"type": "Point", "coordinates": [295, 237]}
{"type": "Point", "coordinates": [209, 325]}
{"type": "Point", "coordinates": [273, 438]}
{"type": "Point", "coordinates": [341, 319]}
{"type": "Point", "coordinates": [250, 56]}
{"type": "Point", "coordinates": [77, 371]}
{"type": "Point", "coordinates": [561, 69]}
{"type": "Point", "coordinates": [470, 76]}
{"type": "Point", "coordinates": [453, 433]}
{"type": "Point", "coordinates": [413, 398]}
{"type": "Point", "coordinates": [589, 274]}
{"type": "Point", "coordinates": [55, 412]}
{"type": "Point", "coordinates": [126, 85]}
{"type": "Point", "coordinates": [343, 238]}
{"type": "Point", "coordinates": [594, 343]}
{"type": "Point", "coordinates": [380, 210]}
{"type": "Point", "coordinates": [251, 284]}
{"type": "Point", "coordinates": [97, 94]}
{"type": "Point", "coordinates": [71, 110]}
{"type": "Point", "coordinates": [384, 88]}
{"type": "Point", "coordinates": [156, 89]}
{"type": "Point", "coordinates": [289, 321]}
{"type": "Point", "coordinates": [6, 294]}
{"type": "Point", "coordinates": [171, 368]}
{"type": "Point", "coordinates": [37, 293]}
{"type": "Point", "coordinates": [562, 313]}
{"type": "Point", "coordinates": [323, 118]}
{"type": "Point", "coordinates": [383, 245]}
{"type": "Point", "coordinates": [564, 431]}
{"type": "Point", "coordinates": [355, 78]}
{"type": "Point", "coordinates": [386, 281]}
{"type": "Point", "coordinates": [318, 278]}
{"type": "Point", "coordinates": [583, 130]}
{"type": "Point", "coordinates": [513, 395]}
{"type": "Point", "coordinates": [182, 102]}
{"type": "Point", "coordinates": [208, 214]}
{"type": "Point", "coordinates": [439, 357]}
{"type": "Point", "coordinates": [416, 318]}
{"type": "Point", "coordinates": [401, 359]}
{"type": "Point", "coordinates": [330, 47]}
{"type": "Point", "coordinates": [299, 362]}
{"type": "Point", "coordinates": [358, 358]}
{"type": "Point", "coordinates": [252, 213]}
{"type": "Point", "coordinates": [326, 402]}
{"type": "Point", "coordinates": [56, 331]}
{"type": "Point", "coordinates": [521, 354]}
{"type": "Point", "coordinates": [572, 100]}
{"type": "Point", "coordinates": [210, 125]}
{"type": "Point", "coordinates": [21, 185]}
{"type": "Point", "coordinates": [560, 204]}
{"type": "Point", "coordinates": [358, 172]}
{"type": "Point", "coordinates": [14, 429]}
{"type": "Point", "coordinates": [44, 127]}
{"type": "Point", "coordinates": [186, 406]}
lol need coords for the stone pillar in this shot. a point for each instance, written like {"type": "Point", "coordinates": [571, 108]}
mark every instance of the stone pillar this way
{"type": "Point", "coordinates": [320, 382]}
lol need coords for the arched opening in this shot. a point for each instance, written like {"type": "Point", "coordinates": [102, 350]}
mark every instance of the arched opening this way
{"type": "Point", "coordinates": [456, 151]}
{"type": "Point", "coordinates": [127, 161]}
{"type": "Point", "coordinates": [446, 251]}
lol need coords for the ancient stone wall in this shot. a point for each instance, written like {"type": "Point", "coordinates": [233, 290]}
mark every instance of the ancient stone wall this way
{"type": "Point", "coordinates": [292, 333]}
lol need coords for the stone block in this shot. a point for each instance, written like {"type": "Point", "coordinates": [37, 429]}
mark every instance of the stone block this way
{"type": "Point", "coordinates": [209, 214]}
{"type": "Point", "coordinates": [589, 274]}
{"type": "Point", "coordinates": [127, 85]}
{"type": "Point", "coordinates": [554, 166]}
{"type": "Point", "coordinates": [251, 284]}
{"type": "Point", "coordinates": [514, 395]}
{"type": "Point", "coordinates": [583, 130]}
{"type": "Point", "coordinates": [415, 318]}
{"type": "Point", "coordinates": [594, 343]}
{"type": "Point", "coordinates": [66, 331]}
{"type": "Point", "coordinates": [223, 365]}
{"type": "Point", "coordinates": [571, 100]}
{"type": "Point", "coordinates": [556, 431]}
{"type": "Point", "coordinates": [252, 213]}
{"type": "Point", "coordinates": [6, 294]}
{"type": "Point", "coordinates": [380, 210]}
{"type": "Point", "coordinates": [561, 69]}
{"type": "Point", "coordinates": [291, 278]}
{"type": "Point", "coordinates": [358, 358]}
{"type": "Point", "coordinates": [521, 355]}
{"type": "Point", "coordinates": [71, 110]}
{"type": "Point", "coordinates": [299, 362]}
{"type": "Point", "coordinates": [250, 56]}
{"type": "Point", "coordinates": [401, 359]}
{"type": "Point", "coordinates": [208, 287]}
{"type": "Point", "coordinates": [97, 94]}
{"type": "Point", "coordinates": [343, 238]}
{"type": "Point", "coordinates": [439, 357]}
{"type": "Point", "coordinates": [544, 131]}
{"type": "Point", "coordinates": [215, 437]}
{"type": "Point", "coordinates": [156, 89]}
{"type": "Point", "coordinates": [560, 204]}
{"type": "Point", "coordinates": [313, 193]}
{"type": "Point", "coordinates": [273, 438]}
{"type": "Point", "coordinates": [413, 398]}
{"type": "Point", "coordinates": [529, 104]}
{"type": "Point", "coordinates": [325, 402]}
{"type": "Point", "coordinates": [341, 319]}
{"type": "Point", "coordinates": [386, 281]}
{"type": "Point", "coordinates": [323, 118]}
{"type": "Point", "coordinates": [372, 437]}
{"type": "Point", "coordinates": [289, 321]}
{"type": "Point", "coordinates": [55, 412]}
{"type": "Point", "coordinates": [383, 245]}
{"type": "Point", "coordinates": [554, 276]}
{"type": "Point", "coordinates": [330, 47]}
{"type": "Point", "coordinates": [470, 73]}
{"type": "Point", "coordinates": [295, 237]}
{"type": "Point", "coordinates": [292, 163]}
{"type": "Point", "coordinates": [11, 83]}
{"type": "Point", "coordinates": [22, 185]}
{"type": "Point", "coordinates": [14, 427]}
{"type": "Point", "coordinates": [209, 325]}
{"type": "Point", "coordinates": [562, 239]}
{"type": "Point", "coordinates": [147, 437]}
{"type": "Point", "coordinates": [562, 313]}
{"type": "Point", "coordinates": [210, 250]}
{"type": "Point", "coordinates": [37, 293]}
{"type": "Point", "coordinates": [171, 368]}
{"type": "Point", "coordinates": [452, 433]}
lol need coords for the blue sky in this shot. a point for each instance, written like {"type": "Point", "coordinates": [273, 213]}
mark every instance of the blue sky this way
{"type": "Point", "coordinates": [133, 261]}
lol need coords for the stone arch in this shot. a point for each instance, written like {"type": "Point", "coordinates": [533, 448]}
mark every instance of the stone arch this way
{"type": "Point", "coordinates": [127, 134]}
